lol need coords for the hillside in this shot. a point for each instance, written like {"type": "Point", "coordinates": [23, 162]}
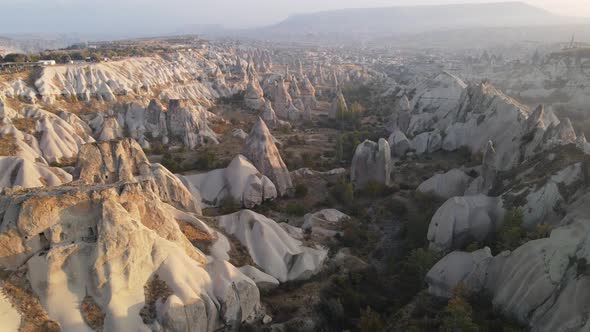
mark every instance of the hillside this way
{"type": "Point", "coordinates": [374, 22]}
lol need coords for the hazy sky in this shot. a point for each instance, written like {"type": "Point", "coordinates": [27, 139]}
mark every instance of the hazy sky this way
{"type": "Point", "coordinates": [153, 16]}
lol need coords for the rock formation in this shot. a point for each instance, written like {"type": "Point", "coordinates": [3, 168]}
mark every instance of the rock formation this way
{"type": "Point", "coordinates": [450, 184]}
{"type": "Point", "coordinates": [254, 96]}
{"type": "Point", "coordinates": [269, 116]}
{"type": "Point", "coordinates": [261, 150]}
{"type": "Point", "coordinates": [21, 172]}
{"type": "Point", "coordinates": [271, 248]}
{"type": "Point", "coordinates": [125, 161]}
{"type": "Point", "coordinates": [283, 103]}
{"type": "Point", "coordinates": [371, 162]}
{"type": "Point", "coordinates": [327, 222]}
{"type": "Point", "coordinates": [240, 180]}
{"type": "Point", "coordinates": [44, 136]}
{"type": "Point", "coordinates": [108, 242]}
{"type": "Point", "coordinates": [400, 118]}
{"type": "Point", "coordinates": [308, 94]}
{"type": "Point", "coordinates": [190, 124]}
{"type": "Point", "coordinates": [338, 105]}
{"type": "Point", "coordinates": [462, 220]}
{"type": "Point", "coordinates": [484, 183]}
{"type": "Point", "coordinates": [399, 143]}
{"type": "Point", "coordinates": [539, 284]}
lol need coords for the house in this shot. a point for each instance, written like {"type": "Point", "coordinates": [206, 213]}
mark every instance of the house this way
{"type": "Point", "coordinates": [46, 62]}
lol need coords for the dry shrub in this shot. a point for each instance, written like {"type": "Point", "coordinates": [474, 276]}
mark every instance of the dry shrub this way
{"type": "Point", "coordinates": [92, 313]}
{"type": "Point", "coordinates": [155, 289]}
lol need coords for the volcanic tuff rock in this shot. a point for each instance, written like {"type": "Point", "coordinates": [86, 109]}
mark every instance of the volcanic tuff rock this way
{"type": "Point", "coordinates": [461, 220]}
{"type": "Point", "coordinates": [108, 242]}
{"type": "Point", "coordinates": [283, 103]}
{"type": "Point", "coordinates": [125, 161]}
{"type": "Point", "coordinates": [458, 267]}
{"type": "Point", "coordinates": [271, 248]}
{"type": "Point", "coordinates": [433, 100]}
{"type": "Point", "coordinates": [240, 180]}
{"type": "Point", "coordinates": [48, 139]}
{"type": "Point", "coordinates": [308, 94]}
{"type": "Point", "coordinates": [269, 116]}
{"type": "Point", "coordinates": [134, 76]}
{"type": "Point", "coordinates": [427, 142]}
{"type": "Point", "coordinates": [254, 96]}
{"type": "Point", "coordinates": [542, 283]}
{"type": "Point", "coordinates": [470, 116]}
{"type": "Point", "coordinates": [17, 171]}
{"type": "Point", "coordinates": [264, 281]}
{"type": "Point", "coordinates": [399, 143]}
{"type": "Point", "coordinates": [371, 162]}
{"type": "Point", "coordinates": [190, 123]}
{"type": "Point", "coordinates": [450, 184]}
{"type": "Point", "coordinates": [339, 104]}
{"type": "Point", "coordinates": [327, 222]}
{"type": "Point", "coordinates": [261, 150]}
{"type": "Point", "coordinates": [484, 183]}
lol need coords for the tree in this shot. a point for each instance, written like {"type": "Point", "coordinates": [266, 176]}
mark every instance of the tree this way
{"type": "Point", "coordinates": [370, 321]}
{"type": "Point", "coordinates": [301, 190]}
{"type": "Point", "coordinates": [15, 57]}
{"type": "Point", "coordinates": [458, 313]}
{"type": "Point", "coordinates": [511, 233]}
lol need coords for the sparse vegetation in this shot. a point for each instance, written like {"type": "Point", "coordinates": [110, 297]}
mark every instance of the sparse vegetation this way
{"type": "Point", "coordinates": [301, 190]}
{"type": "Point", "coordinates": [7, 146]}
{"type": "Point", "coordinates": [155, 289]}
{"type": "Point", "coordinates": [229, 205]}
{"type": "Point", "coordinates": [511, 233]}
{"type": "Point", "coordinates": [295, 209]}
{"type": "Point", "coordinates": [92, 313]}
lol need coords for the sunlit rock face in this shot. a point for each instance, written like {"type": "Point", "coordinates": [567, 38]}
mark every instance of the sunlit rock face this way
{"type": "Point", "coordinates": [240, 181]}
{"type": "Point", "coordinates": [260, 149]}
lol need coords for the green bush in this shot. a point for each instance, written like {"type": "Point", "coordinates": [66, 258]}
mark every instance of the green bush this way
{"type": "Point", "coordinates": [511, 233]}
{"type": "Point", "coordinates": [397, 207]}
{"type": "Point", "coordinates": [206, 161]}
{"type": "Point", "coordinates": [413, 270]}
{"type": "Point", "coordinates": [229, 205]}
{"type": "Point", "coordinates": [171, 163]}
{"type": "Point", "coordinates": [370, 321]}
{"type": "Point", "coordinates": [295, 209]}
{"type": "Point", "coordinates": [458, 314]}
{"type": "Point", "coordinates": [301, 190]}
{"type": "Point", "coordinates": [343, 192]}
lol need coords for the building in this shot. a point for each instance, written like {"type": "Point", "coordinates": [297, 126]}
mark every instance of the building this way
{"type": "Point", "coordinates": [46, 62]}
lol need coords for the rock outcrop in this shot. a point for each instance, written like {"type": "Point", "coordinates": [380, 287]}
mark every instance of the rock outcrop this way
{"type": "Point", "coordinates": [450, 184]}
{"type": "Point", "coordinates": [399, 143]}
{"type": "Point", "coordinates": [541, 284]}
{"type": "Point", "coordinates": [462, 220]}
{"type": "Point", "coordinates": [240, 180]}
{"type": "Point", "coordinates": [125, 161]}
{"type": "Point", "coordinates": [254, 96]}
{"type": "Point", "coordinates": [17, 171]}
{"type": "Point", "coordinates": [371, 162]}
{"type": "Point", "coordinates": [261, 150]}
{"type": "Point", "coordinates": [190, 124]}
{"type": "Point", "coordinates": [131, 77]}
{"type": "Point", "coordinates": [484, 183]}
{"type": "Point", "coordinates": [308, 94]}
{"type": "Point", "coordinates": [271, 248]}
{"type": "Point", "coordinates": [327, 222]}
{"type": "Point", "coordinates": [283, 102]}
{"type": "Point", "coordinates": [44, 136]}
{"type": "Point", "coordinates": [338, 105]}
{"type": "Point", "coordinates": [108, 242]}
